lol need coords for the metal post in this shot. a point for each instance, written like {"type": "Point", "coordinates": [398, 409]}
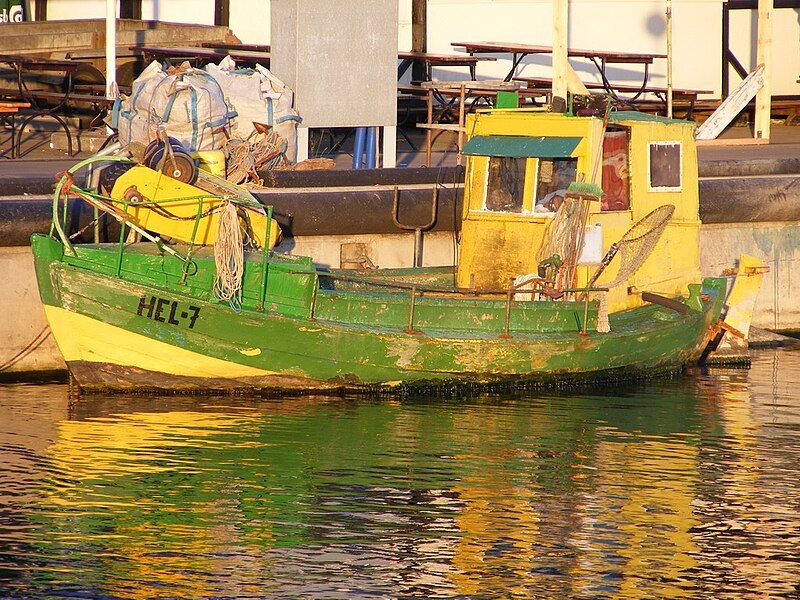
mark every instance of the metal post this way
{"type": "Point", "coordinates": [585, 313]}
{"type": "Point", "coordinates": [121, 240]}
{"type": "Point", "coordinates": [428, 139]}
{"type": "Point", "coordinates": [419, 37]}
{"type": "Point", "coordinates": [669, 59]}
{"type": "Point", "coordinates": [265, 260]}
{"type": "Point", "coordinates": [189, 251]}
{"type": "Point", "coordinates": [111, 49]}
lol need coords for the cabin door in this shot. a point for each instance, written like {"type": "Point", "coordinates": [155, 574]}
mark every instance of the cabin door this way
{"type": "Point", "coordinates": [616, 172]}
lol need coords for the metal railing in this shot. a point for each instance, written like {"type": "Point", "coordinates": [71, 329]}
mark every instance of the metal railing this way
{"type": "Point", "coordinates": [118, 208]}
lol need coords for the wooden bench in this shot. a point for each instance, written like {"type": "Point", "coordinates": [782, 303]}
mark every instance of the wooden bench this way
{"type": "Point", "coordinates": [429, 61]}
{"type": "Point", "coordinates": [8, 113]}
{"type": "Point", "coordinates": [684, 97]}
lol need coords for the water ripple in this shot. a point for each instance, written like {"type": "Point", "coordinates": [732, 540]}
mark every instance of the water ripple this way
{"type": "Point", "coordinates": [685, 487]}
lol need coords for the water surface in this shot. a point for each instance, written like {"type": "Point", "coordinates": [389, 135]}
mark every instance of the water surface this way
{"type": "Point", "coordinates": [688, 487]}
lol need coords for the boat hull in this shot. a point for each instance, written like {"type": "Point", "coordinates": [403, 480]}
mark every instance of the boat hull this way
{"type": "Point", "coordinates": [120, 335]}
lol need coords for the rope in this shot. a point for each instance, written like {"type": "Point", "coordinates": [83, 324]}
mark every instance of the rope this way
{"type": "Point", "coordinates": [603, 326]}
{"type": "Point", "coordinates": [229, 257]}
{"type": "Point", "coordinates": [28, 348]}
{"type": "Point", "coordinates": [261, 150]}
{"type": "Point", "coordinates": [564, 238]}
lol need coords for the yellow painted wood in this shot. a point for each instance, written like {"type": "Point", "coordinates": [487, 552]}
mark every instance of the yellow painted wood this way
{"type": "Point", "coordinates": [744, 291]}
{"type": "Point", "coordinates": [497, 246]}
{"type": "Point", "coordinates": [154, 186]}
{"type": "Point", "coordinates": [764, 57]}
{"type": "Point", "coordinates": [102, 343]}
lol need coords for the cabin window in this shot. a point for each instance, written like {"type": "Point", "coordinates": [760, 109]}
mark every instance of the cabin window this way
{"type": "Point", "coordinates": [554, 177]}
{"type": "Point", "coordinates": [616, 172]}
{"type": "Point", "coordinates": [665, 167]}
{"type": "Point", "coordinates": [505, 184]}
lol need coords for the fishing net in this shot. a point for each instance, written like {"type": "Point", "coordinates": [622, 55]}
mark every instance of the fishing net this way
{"type": "Point", "coordinates": [565, 238]}
{"type": "Point", "coordinates": [632, 250]}
{"type": "Point", "coordinates": [635, 246]}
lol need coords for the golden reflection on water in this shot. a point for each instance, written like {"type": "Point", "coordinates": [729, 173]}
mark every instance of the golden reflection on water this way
{"type": "Point", "coordinates": [674, 491]}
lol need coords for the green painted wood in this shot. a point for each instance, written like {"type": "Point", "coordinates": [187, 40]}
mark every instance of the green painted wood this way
{"type": "Point", "coordinates": [516, 146]}
{"type": "Point", "coordinates": [357, 339]}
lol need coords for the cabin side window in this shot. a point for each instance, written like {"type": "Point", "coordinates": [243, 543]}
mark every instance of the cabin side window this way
{"type": "Point", "coordinates": [505, 184]}
{"type": "Point", "coordinates": [665, 167]}
{"type": "Point", "coordinates": [554, 177]}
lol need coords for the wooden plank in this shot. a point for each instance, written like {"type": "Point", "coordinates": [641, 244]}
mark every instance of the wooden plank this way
{"type": "Point", "coordinates": [733, 142]}
{"type": "Point", "coordinates": [610, 56]}
{"type": "Point", "coordinates": [764, 57]}
{"type": "Point", "coordinates": [574, 83]}
{"type": "Point", "coordinates": [732, 105]}
{"type": "Point", "coordinates": [484, 85]}
{"type": "Point", "coordinates": [560, 62]}
{"type": "Point", "coordinates": [441, 126]}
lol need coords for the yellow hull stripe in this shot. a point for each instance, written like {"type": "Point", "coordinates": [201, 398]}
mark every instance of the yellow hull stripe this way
{"type": "Point", "coordinates": [81, 338]}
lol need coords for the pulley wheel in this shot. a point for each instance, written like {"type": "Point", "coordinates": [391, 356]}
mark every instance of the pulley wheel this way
{"type": "Point", "coordinates": [177, 164]}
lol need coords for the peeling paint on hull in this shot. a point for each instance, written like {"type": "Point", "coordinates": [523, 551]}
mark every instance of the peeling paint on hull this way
{"type": "Point", "coordinates": [145, 332]}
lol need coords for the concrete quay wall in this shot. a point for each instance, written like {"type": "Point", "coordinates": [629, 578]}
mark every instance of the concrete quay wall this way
{"type": "Point", "coordinates": [25, 341]}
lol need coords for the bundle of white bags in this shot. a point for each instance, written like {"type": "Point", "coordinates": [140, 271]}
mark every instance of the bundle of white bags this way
{"type": "Point", "coordinates": [203, 109]}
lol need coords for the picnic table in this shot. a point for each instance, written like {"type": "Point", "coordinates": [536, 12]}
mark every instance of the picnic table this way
{"type": "Point", "coordinates": [237, 46]}
{"type": "Point", "coordinates": [43, 103]}
{"type": "Point", "coordinates": [8, 113]}
{"type": "Point", "coordinates": [197, 55]}
{"type": "Point", "coordinates": [600, 58]}
{"type": "Point", "coordinates": [687, 96]}
{"type": "Point", "coordinates": [430, 60]}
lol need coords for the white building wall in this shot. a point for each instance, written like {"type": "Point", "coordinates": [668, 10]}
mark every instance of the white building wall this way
{"type": "Point", "coordinates": [200, 12]}
{"type": "Point", "coordinates": [785, 47]}
{"type": "Point", "coordinates": [626, 25]}
{"type": "Point", "coordinates": [69, 9]}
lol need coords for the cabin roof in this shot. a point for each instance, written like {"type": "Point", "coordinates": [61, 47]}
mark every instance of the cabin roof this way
{"type": "Point", "coordinates": [631, 115]}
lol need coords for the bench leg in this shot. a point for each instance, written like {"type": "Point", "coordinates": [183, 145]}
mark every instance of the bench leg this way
{"type": "Point", "coordinates": [37, 115]}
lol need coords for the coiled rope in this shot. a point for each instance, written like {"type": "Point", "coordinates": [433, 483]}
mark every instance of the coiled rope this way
{"type": "Point", "coordinates": [229, 257]}
{"type": "Point", "coordinates": [260, 151]}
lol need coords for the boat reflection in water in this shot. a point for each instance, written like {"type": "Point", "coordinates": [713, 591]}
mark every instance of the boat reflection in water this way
{"type": "Point", "coordinates": [675, 488]}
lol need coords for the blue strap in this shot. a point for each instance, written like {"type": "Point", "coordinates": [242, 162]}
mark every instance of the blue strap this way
{"type": "Point", "coordinates": [136, 94]}
{"type": "Point", "coordinates": [269, 111]}
{"type": "Point", "coordinates": [221, 121]}
{"type": "Point", "coordinates": [193, 94]}
{"type": "Point", "coordinates": [285, 118]}
{"type": "Point", "coordinates": [115, 113]}
{"type": "Point", "coordinates": [168, 108]}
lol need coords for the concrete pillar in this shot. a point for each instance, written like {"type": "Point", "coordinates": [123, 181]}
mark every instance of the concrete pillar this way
{"type": "Point", "coordinates": [340, 58]}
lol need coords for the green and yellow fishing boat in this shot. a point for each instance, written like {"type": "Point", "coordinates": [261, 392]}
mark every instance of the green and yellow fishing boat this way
{"type": "Point", "coordinates": [578, 261]}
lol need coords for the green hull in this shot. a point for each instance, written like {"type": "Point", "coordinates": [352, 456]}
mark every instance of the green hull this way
{"type": "Point", "coordinates": [306, 334]}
